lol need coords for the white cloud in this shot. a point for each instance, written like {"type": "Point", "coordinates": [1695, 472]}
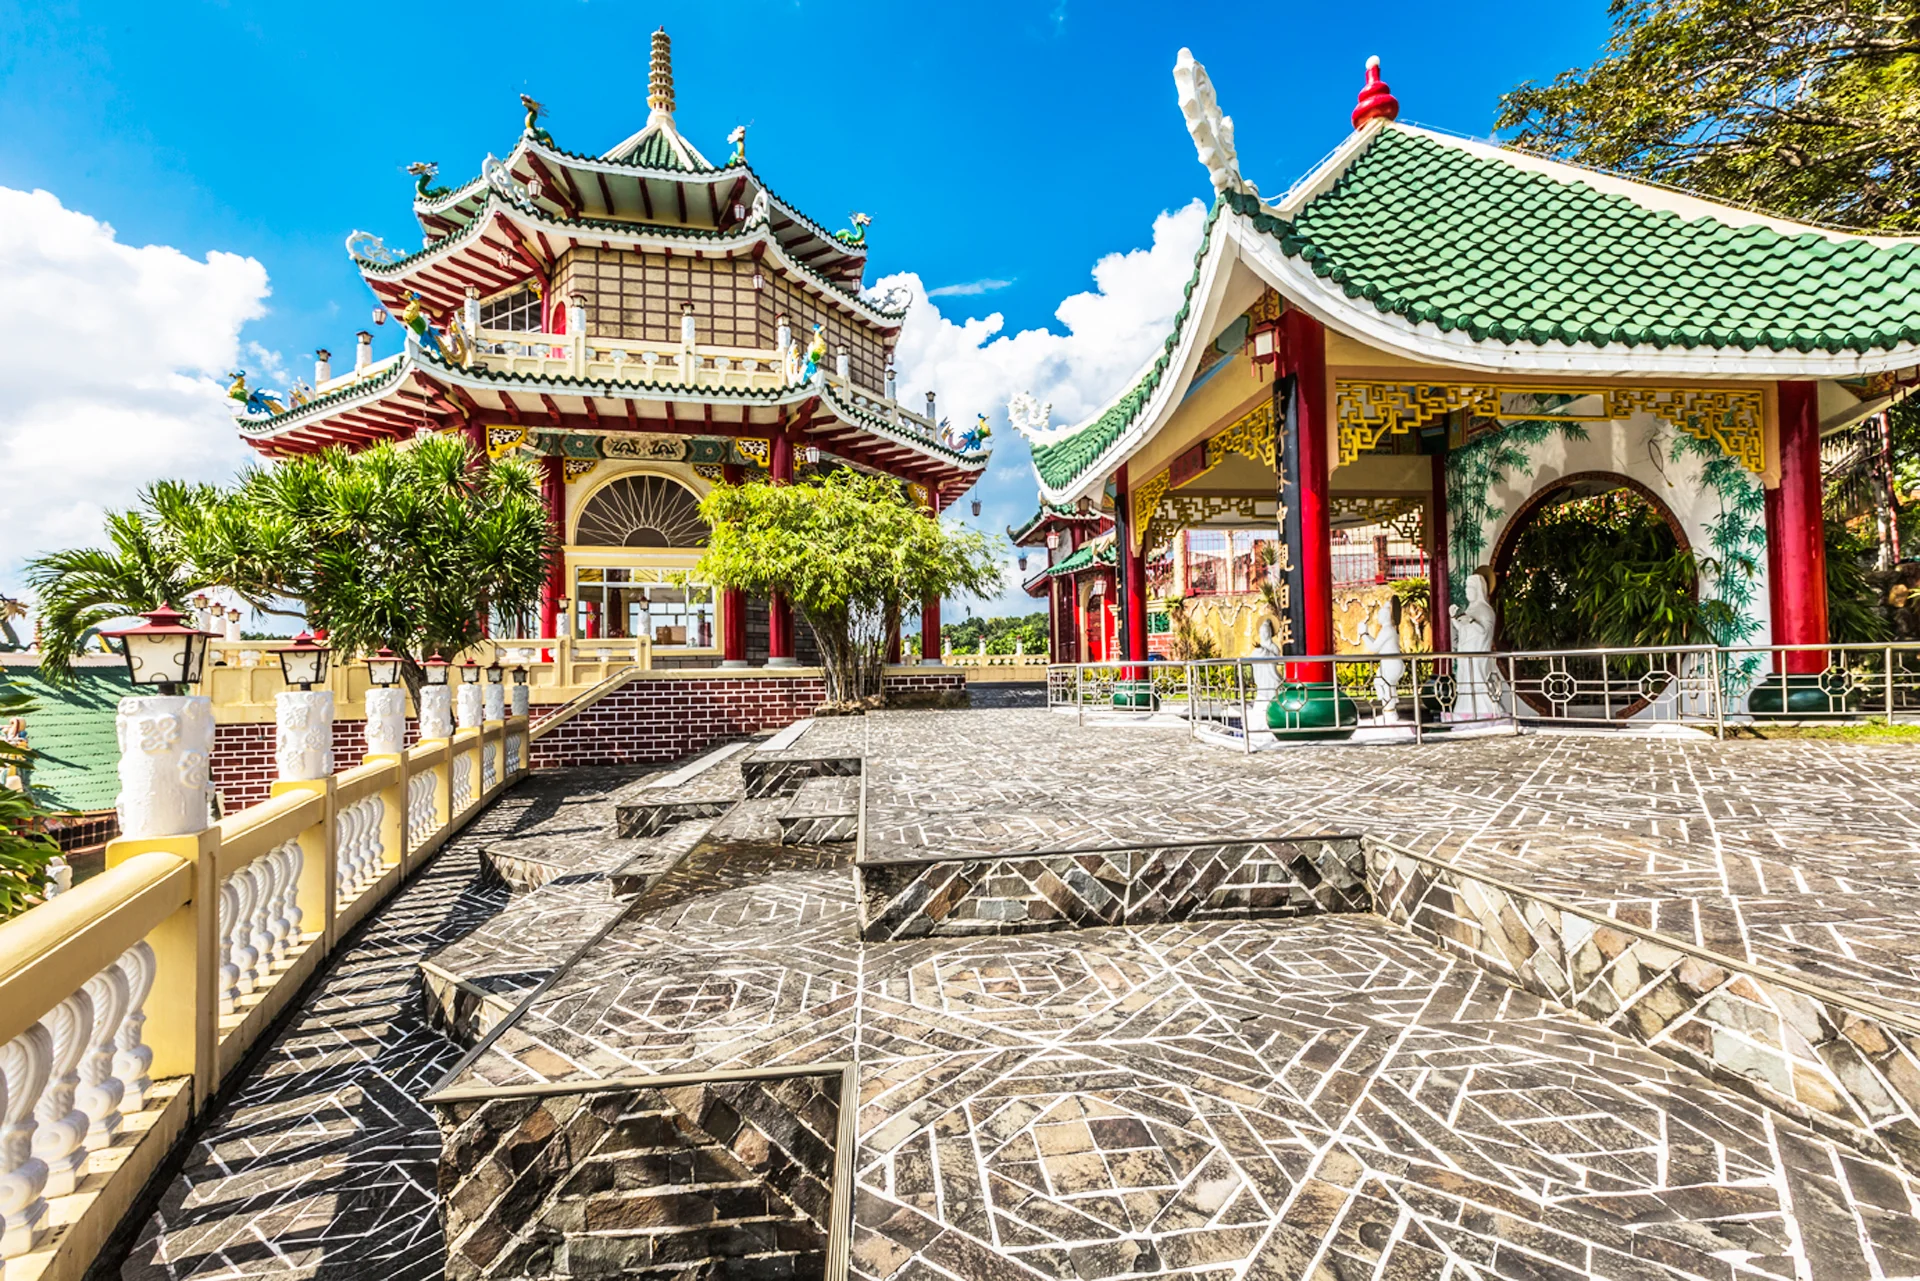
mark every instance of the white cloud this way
{"type": "Point", "coordinates": [112, 364]}
{"type": "Point", "coordinates": [973, 367]}
{"type": "Point", "coordinates": [971, 287]}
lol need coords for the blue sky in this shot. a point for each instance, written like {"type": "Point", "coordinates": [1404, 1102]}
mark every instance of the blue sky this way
{"type": "Point", "coordinates": [1013, 142]}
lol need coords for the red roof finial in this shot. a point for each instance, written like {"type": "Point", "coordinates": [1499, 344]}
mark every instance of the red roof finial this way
{"type": "Point", "coordinates": [1376, 100]}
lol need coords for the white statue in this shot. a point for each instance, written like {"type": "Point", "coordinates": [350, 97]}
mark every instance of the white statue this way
{"type": "Point", "coordinates": [1382, 638]}
{"type": "Point", "coordinates": [1473, 634]}
{"type": "Point", "coordinates": [1212, 132]}
{"type": "Point", "coordinates": [1267, 677]}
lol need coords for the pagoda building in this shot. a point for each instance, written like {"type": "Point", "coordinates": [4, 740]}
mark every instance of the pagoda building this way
{"type": "Point", "coordinates": [1384, 373]}
{"type": "Point", "coordinates": [1075, 578]}
{"type": "Point", "coordinates": [647, 324]}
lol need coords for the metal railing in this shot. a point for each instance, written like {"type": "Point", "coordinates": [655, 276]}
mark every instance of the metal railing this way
{"type": "Point", "coordinates": [126, 1001]}
{"type": "Point", "coordinates": [1412, 697]}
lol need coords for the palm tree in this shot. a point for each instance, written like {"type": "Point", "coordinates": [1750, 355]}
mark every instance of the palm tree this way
{"type": "Point", "coordinates": [140, 569]}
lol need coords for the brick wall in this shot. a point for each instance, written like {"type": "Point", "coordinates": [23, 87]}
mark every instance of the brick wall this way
{"type": "Point", "coordinates": [664, 720]}
{"type": "Point", "coordinates": [243, 766]}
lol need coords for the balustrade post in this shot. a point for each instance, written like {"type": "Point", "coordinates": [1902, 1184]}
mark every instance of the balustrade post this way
{"type": "Point", "coordinates": [183, 1003]}
{"type": "Point", "coordinates": [319, 861]}
{"type": "Point", "coordinates": [386, 728]}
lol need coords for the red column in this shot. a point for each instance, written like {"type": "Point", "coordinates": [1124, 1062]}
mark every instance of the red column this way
{"type": "Point", "coordinates": [779, 613]}
{"type": "Point", "coordinates": [1438, 587]}
{"type": "Point", "coordinates": [553, 492]}
{"type": "Point", "coordinates": [733, 602]}
{"type": "Point", "coordinates": [1796, 539]}
{"type": "Point", "coordinates": [930, 607]}
{"type": "Point", "coordinates": [1133, 564]}
{"type": "Point", "coordinates": [1306, 347]}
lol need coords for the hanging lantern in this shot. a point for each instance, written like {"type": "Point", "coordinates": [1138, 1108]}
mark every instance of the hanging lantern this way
{"type": "Point", "coordinates": [759, 281]}
{"type": "Point", "coordinates": [383, 669]}
{"type": "Point", "coordinates": [1053, 539]}
{"type": "Point", "coordinates": [976, 506]}
{"type": "Point", "coordinates": [1023, 562]}
{"type": "Point", "coordinates": [811, 455]}
{"type": "Point", "coordinates": [436, 668]}
{"type": "Point", "coordinates": [163, 652]}
{"type": "Point", "coordinates": [379, 315]}
{"type": "Point", "coordinates": [304, 663]}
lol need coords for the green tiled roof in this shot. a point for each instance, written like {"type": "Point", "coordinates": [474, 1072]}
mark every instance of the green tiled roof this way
{"type": "Point", "coordinates": [1062, 460]}
{"type": "Point", "coordinates": [1084, 557]}
{"type": "Point", "coordinates": [1432, 232]}
{"type": "Point", "coordinates": [654, 152]}
{"type": "Point", "coordinates": [79, 765]}
{"type": "Point", "coordinates": [1055, 511]}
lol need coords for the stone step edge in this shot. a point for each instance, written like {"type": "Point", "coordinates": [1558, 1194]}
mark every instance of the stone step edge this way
{"type": "Point", "coordinates": [687, 773]}
{"type": "Point", "coordinates": [846, 1134]}
{"type": "Point", "coordinates": [1841, 1063]}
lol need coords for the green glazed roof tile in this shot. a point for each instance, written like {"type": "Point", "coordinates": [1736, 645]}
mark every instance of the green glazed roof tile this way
{"type": "Point", "coordinates": [1472, 244]}
{"type": "Point", "coordinates": [73, 731]}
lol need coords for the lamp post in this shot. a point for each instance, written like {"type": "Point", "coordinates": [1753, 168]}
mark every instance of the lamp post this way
{"type": "Point", "coordinates": [436, 701]}
{"type": "Point", "coordinates": [466, 702]}
{"type": "Point", "coordinates": [165, 784]}
{"type": "Point", "coordinates": [493, 705]}
{"type": "Point", "coordinates": [386, 705]}
{"type": "Point", "coordinates": [521, 694]}
{"type": "Point", "coordinates": [303, 717]}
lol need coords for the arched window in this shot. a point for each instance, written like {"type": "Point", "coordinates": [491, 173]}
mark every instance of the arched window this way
{"type": "Point", "coordinates": [642, 511]}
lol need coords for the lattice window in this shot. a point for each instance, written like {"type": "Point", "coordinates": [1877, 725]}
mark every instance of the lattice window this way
{"type": "Point", "coordinates": [642, 511]}
{"type": "Point", "coordinates": [518, 311]}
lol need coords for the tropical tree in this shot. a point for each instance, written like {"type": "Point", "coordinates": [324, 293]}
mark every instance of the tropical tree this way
{"type": "Point", "coordinates": [24, 848]}
{"type": "Point", "coordinates": [850, 554]}
{"type": "Point", "coordinates": [1808, 108]}
{"type": "Point", "coordinates": [400, 546]}
{"type": "Point", "coordinates": [403, 547]}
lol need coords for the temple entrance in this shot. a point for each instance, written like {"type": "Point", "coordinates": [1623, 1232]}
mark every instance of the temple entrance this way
{"type": "Point", "coordinates": [1596, 561]}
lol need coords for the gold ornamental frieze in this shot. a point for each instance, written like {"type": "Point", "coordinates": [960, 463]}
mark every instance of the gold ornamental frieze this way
{"type": "Point", "coordinates": [650, 447]}
{"type": "Point", "coordinates": [1251, 435]}
{"type": "Point", "coordinates": [502, 441]}
{"type": "Point", "coordinates": [1368, 410]}
{"type": "Point", "coordinates": [576, 469]}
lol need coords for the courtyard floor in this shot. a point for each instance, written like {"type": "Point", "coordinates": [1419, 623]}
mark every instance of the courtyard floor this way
{"type": "Point", "coordinates": [1325, 1095]}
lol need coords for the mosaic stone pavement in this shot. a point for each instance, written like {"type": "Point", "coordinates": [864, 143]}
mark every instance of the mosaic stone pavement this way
{"type": "Point", "coordinates": [1804, 855]}
{"type": "Point", "coordinates": [322, 1163]}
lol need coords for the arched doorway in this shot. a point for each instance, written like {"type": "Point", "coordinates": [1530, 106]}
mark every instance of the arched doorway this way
{"type": "Point", "coordinates": [1595, 560]}
{"type": "Point", "coordinates": [634, 541]}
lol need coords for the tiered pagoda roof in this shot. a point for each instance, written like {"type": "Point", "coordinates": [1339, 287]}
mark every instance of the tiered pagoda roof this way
{"type": "Point", "coordinates": [653, 193]}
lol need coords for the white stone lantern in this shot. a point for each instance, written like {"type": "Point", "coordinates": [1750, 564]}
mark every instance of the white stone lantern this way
{"type": "Point", "coordinates": [521, 694]}
{"type": "Point", "coordinates": [386, 705]}
{"type": "Point", "coordinates": [165, 738]}
{"type": "Point", "coordinates": [493, 706]}
{"type": "Point", "coordinates": [436, 700]}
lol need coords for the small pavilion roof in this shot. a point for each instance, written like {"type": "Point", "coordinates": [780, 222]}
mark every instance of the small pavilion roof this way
{"type": "Point", "coordinates": [1465, 254]}
{"type": "Point", "coordinates": [1035, 528]}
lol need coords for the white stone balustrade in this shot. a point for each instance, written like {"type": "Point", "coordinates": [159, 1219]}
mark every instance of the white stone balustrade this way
{"type": "Point", "coordinates": [516, 751]}
{"type": "Point", "coordinates": [65, 1084]}
{"type": "Point", "coordinates": [303, 733]}
{"type": "Point", "coordinates": [489, 766]}
{"type": "Point", "coordinates": [466, 707]}
{"type": "Point", "coordinates": [259, 921]}
{"type": "Point", "coordinates": [436, 712]}
{"type": "Point", "coordinates": [165, 745]}
{"type": "Point", "coordinates": [358, 858]}
{"type": "Point", "coordinates": [422, 817]}
{"type": "Point", "coordinates": [386, 730]}
{"type": "Point", "coordinates": [461, 766]}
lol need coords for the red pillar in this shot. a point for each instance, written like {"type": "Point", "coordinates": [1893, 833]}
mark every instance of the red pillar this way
{"type": "Point", "coordinates": [779, 613]}
{"type": "Point", "coordinates": [1306, 348]}
{"type": "Point", "coordinates": [1439, 589]}
{"type": "Point", "coordinates": [733, 602]}
{"type": "Point", "coordinates": [1796, 538]}
{"type": "Point", "coordinates": [553, 492]}
{"type": "Point", "coordinates": [930, 607]}
{"type": "Point", "coordinates": [1133, 565]}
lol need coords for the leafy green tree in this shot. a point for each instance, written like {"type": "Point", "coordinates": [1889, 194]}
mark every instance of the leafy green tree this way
{"type": "Point", "coordinates": [1025, 632]}
{"type": "Point", "coordinates": [401, 546]}
{"type": "Point", "coordinates": [850, 554]}
{"type": "Point", "coordinates": [404, 547]}
{"type": "Point", "coordinates": [24, 849]}
{"type": "Point", "coordinates": [1604, 572]}
{"type": "Point", "coordinates": [1808, 108]}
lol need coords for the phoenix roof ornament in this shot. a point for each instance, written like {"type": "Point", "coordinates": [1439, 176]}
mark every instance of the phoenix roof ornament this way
{"type": "Point", "coordinates": [1212, 132]}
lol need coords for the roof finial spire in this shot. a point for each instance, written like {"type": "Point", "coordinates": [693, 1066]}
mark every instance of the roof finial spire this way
{"type": "Point", "coordinates": [660, 81]}
{"type": "Point", "coordinates": [1376, 101]}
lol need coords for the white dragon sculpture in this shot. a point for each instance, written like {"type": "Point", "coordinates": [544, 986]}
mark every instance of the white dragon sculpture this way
{"type": "Point", "coordinates": [1032, 419]}
{"type": "Point", "coordinates": [1212, 132]}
